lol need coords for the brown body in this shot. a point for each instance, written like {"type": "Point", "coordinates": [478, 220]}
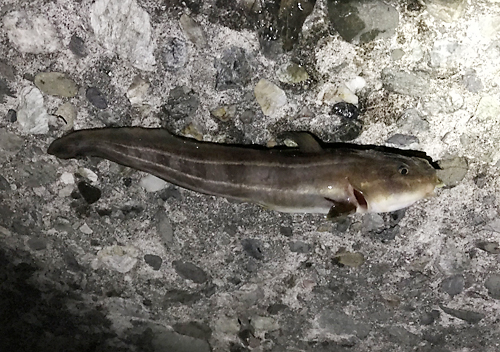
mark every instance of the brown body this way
{"type": "Point", "coordinates": [317, 181]}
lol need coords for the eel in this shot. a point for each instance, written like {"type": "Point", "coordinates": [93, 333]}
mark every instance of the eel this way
{"type": "Point", "coordinates": [308, 179]}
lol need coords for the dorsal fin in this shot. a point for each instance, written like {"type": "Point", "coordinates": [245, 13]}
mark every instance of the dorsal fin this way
{"type": "Point", "coordinates": [307, 142]}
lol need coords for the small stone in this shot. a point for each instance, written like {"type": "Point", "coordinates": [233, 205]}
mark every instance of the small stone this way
{"type": "Point", "coordinates": [446, 10]}
{"type": "Point", "coordinates": [124, 27]}
{"type": "Point", "coordinates": [31, 34]}
{"type": "Point", "coordinates": [286, 231]}
{"type": "Point", "coordinates": [4, 184]}
{"type": "Point", "coordinates": [253, 247]}
{"type": "Point", "coordinates": [67, 112]}
{"type": "Point", "coordinates": [32, 115]}
{"type": "Point", "coordinates": [56, 83]}
{"type": "Point", "coordinates": [269, 96]}
{"type": "Point", "coordinates": [189, 271]}
{"type": "Point", "coordinates": [264, 324]}
{"type": "Point", "coordinates": [67, 178]}
{"type": "Point", "coordinates": [170, 192]}
{"type": "Point", "coordinates": [452, 171]}
{"type": "Point", "coordinates": [363, 20]}
{"type": "Point", "coordinates": [86, 229]}
{"type": "Point", "coordinates": [442, 52]}
{"type": "Point", "coordinates": [90, 193]}
{"type": "Point", "coordinates": [350, 259]}
{"type": "Point", "coordinates": [348, 130]}
{"type": "Point", "coordinates": [182, 103]}
{"type": "Point", "coordinates": [193, 31]}
{"type": "Point", "coordinates": [345, 110]}
{"type": "Point", "coordinates": [164, 229]}
{"type": "Point", "coordinates": [192, 131]}
{"type": "Point", "coordinates": [397, 54]}
{"type": "Point", "coordinates": [275, 308]}
{"type": "Point", "coordinates": [10, 145]}
{"type": "Point", "coordinates": [466, 315]}
{"type": "Point", "coordinates": [453, 285]}
{"type": "Point", "coordinates": [402, 139]}
{"type": "Point", "coordinates": [88, 174]}
{"type": "Point", "coordinates": [406, 83]}
{"type": "Point", "coordinates": [299, 247]}
{"type": "Point", "coordinates": [153, 261]}
{"type": "Point", "coordinates": [291, 17]}
{"type": "Point", "coordinates": [37, 244]}
{"type": "Point", "coordinates": [233, 69]}
{"type": "Point", "coordinates": [490, 247]}
{"type": "Point", "coordinates": [7, 71]}
{"type": "Point", "coordinates": [119, 258]}
{"type": "Point", "coordinates": [429, 317]}
{"type": "Point", "coordinates": [96, 98]}
{"type": "Point", "coordinates": [492, 284]}
{"type": "Point", "coordinates": [472, 82]}
{"type": "Point", "coordinates": [77, 46]}
{"type": "Point", "coordinates": [5, 90]}
{"type": "Point", "coordinates": [12, 115]}
{"type": "Point", "coordinates": [224, 113]}
{"type": "Point", "coordinates": [137, 90]}
{"type": "Point", "coordinates": [292, 73]}
{"type": "Point", "coordinates": [411, 121]}
{"type": "Point", "coordinates": [194, 329]}
{"type": "Point", "coordinates": [334, 320]}
{"type": "Point", "coordinates": [174, 54]}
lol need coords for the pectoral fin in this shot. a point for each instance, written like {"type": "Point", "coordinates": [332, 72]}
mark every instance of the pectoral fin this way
{"type": "Point", "coordinates": [306, 141]}
{"type": "Point", "coordinates": [339, 209]}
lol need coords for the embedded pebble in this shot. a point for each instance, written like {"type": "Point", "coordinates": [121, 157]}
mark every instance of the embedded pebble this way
{"type": "Point", "coordinates": [194, 329]}
{"type": "Point", "coordinates": [7, 71]}
{"type": "Point", "coordinates": [253, 247]}
{"type": "Point", "coordinates": [137, 90]}
{"type": "Point", "coordinates": [37, 243]}
{"type": "Point", "coordinates": [119, 258]}
{"type": "Point", "coordinates": [224, 113]}
{"type": "Point", "coordinates": [445, 10]}
{"type": "Point", "coordinates": [442, 52]}
{"type": "Point", "coordinates": [411, 120]}
{"type": "Point", "coordinates": [10, 145]}
{"type": "Point", "coordinates": [406, 83]}
{"type": "Point", "coordinates": [350, 259]}
{"type": "Point", "coordinates": [164, 229]}
{"type": "Point", "coordinates": [453, 285]}
{"type": "Point", "coordinates": [490, 247]}
{"type": "Point", "coordinates": [174, 54]}
{"type": "Point", "coordinates": [472, 82]}
{"type": "Point", "coordinates": [299, 247]}
{"type": "Point", "coordinates": [269, 96]}
{"type": "Point", "coordinates": [56, 83]}
{"type": "Point", "coordinates": [90, 193]}
{"type": "Point", "coordinates": [233, 69]}
{"type": "Point", "coordinates": [332, 94]}
{"type": "Point", "coordinates": [12, 115]}
{"type": "Point", "coordinates": [452, 170]}
{"type": "Point", "coordinates": [96, 98]}
{"type": "Point", "coordinates": [402, 139]}
{"type": "Point", "coordinates": [153, 261]}
{"type": "Point", "coordinates": [429, 317]}
{"type": "Point", "coordinates": [5, 90]}
{"type": "Point", "coordinates": [346, 110]}
{"type": "Point", "coordinates": [182, 103]}
{"type": "Point", "coordinates": [193, 31]}
{"type": "Point", "coordinates": [363, 20]}
{"type": "Point", "coordinates": [31, 114]}
{"type": "Point", "coordinates": [4, 184]}
{"type": "Point", "coordinates": [88, 174]}
{"type": "Point", "coordinates": [492, 284]}
{"type": "Point", "coordinates": [67, 178]}
{"type": "Point", "coordinates": [67, 112]}
{"type": "Point", "coordinates": [291, 17]}
{"type": "Point", "coordinates": [335, 320]}
{"type": "Point", "coordinates": [152, 183]}
{"type": "Point", "coordinates": [31, 34]}
{"type": "Point", "coordinates": [77, 46]}
{"type": "Point", "coordinates": [292, 73]}
{"type": "Point", "coordinates": [124, 27]}
{"type": "Point", "coordinates": [86, 229]}
{"type": "Point", "coordinates": [466, 315]}
{"type": "Point", "coordinates": [189, 271]}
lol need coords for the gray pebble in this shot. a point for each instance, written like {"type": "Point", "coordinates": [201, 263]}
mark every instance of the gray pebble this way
{"type": "Point", "coordinates": [466, 315]}
{"type": "Point", "coordinates": [405, 83]}
{"type": "Point", "coordinates": [164, 229]}
{"type": "Point", "coordinates": [96, 98]}
{"type": "Point", "coordinates": [453, 285]}
{"type": "Point", "coordinates": [90, 193]}
{"type": "Point", "coordinates": [12, 115]}
{"type": "Point", "coordinates": [472, 82]}
{"type": "Point", "coordinates": [5, 90]}
{"type": "Point", "coordinates": [429, 317]}
{"type": "Point", "coordinates": [4, 184]}
{"type": "Point", "coordinates": [299, 247]}
{"type": "Point", "coordinates": [492, 283]}
{"type": "Point", "coordinates": [182, 103]}
{"type": "Point", "coordinates": [7, 71]}
{"type": "Point", "coordinates": [180, 296]}
{"type": "Point", "coordinates": [153, 260]}
{"type": "Point", "coordinates": [452, 170]}
{"type": "Point", "coordinates": [253, 247]}
{"type": "Point", "coordinates": [189, 271]}
{"type": "Point", "coordinates": [194, 329]}
{"type": "Point", "coordinates": [77, 46]}
{"type": "Point", "coordinates": [174, 54]}
{"type": "Point", "coordinates": [402, 139]}
{"type": "Point", "coordinates": [490, 247]}
{"type": "Point", "coordinates": [275, 308]}
{"type": "Point", "coordinates": [37, 244]}
{"type": "Point", "coordinates": [286, 231]}
{"type": "Point", "coordinates": [233, 69]}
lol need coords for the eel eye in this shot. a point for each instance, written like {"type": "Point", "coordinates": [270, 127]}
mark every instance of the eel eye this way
{"type": "Point", "coordinates": [403, 170]}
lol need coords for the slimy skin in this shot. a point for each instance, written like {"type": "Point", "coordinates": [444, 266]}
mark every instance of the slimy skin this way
{"type": "Point", "coordinates": [306, 180]}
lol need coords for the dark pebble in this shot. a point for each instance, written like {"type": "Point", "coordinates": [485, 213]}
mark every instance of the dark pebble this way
{"type": "Point", "coordinates": [77, 46]}
{"type": "Point", "coordinates": [127, 181]}
{"type": "Point", "coordinates": [492, 284]}
{"type": "Point", "coordinates": [96, 98]}
{"type": "Point", "coordinates": [275, 308]}
{"type": "Point", "coordinates": [194, 329]}
{"type": "Point", "coordinates": [170, 192]}
{"type": "Point", "coordinates": [190, 271]}
{"type": "Point", "coordinates": [489, 246]}
{"type": "Point", "coordinates": [153, 261]}
{"type": "Point", "coordinates": [348, 130]}
{"type": "Point", "coordinates": [37, 244]}
{"type": "Point", "coordinates": [299, 247]}
{"type": "Point", "coordinates": [4, 184]}
{"type": "Point", "coordinates": [233, 69]}
{"type": "Point", "coordinates": [174, 54]}
{"type": "Point", "coordinates": [402, 139]}
{"type": "Point", "coordinates": [253, 248]}
{"type": "Point", "coordinates": [90, 193]}
{"type": "Point", "coordinates": [466, 315]}
{"type": "Point", "coordinates": [12, 115]}
{"type": "Point", "coordinates": [346, 110]}
{"type": "Point", "coordinates": [286, 231]}
{"type": "Point", "coordinates": [180, 296]}
{"type": "Point", "coordinates": [453, 285]}
{"type": "Point", "coordinates": [429, 317]}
